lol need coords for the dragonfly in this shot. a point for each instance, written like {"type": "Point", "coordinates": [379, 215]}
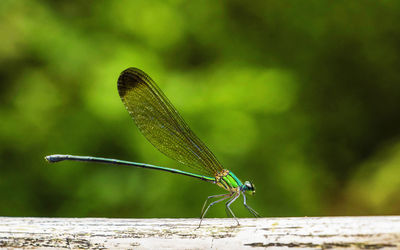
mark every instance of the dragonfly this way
{"type": "Point", "coordinates": [162, 125]}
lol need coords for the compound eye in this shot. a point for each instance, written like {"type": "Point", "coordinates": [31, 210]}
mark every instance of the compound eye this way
{"type": "Point", "coordinates": [249, 185]}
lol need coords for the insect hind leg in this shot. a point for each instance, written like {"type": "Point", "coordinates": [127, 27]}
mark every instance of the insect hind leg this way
{"type": "Point", "coordinates": [203, 212]}
{"type": "Point", "coordinates": [208, 198]}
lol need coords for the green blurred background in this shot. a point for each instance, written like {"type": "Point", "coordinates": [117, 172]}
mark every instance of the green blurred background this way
{"type": "Point", "coordinates": [302, 98]}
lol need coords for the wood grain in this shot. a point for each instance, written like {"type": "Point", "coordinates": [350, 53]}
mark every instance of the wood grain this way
{"type": "Point", "coordinates": [380, 232]}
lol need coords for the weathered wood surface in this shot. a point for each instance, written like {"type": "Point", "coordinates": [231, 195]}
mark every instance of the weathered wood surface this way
{"type": "Point", "coordinates": [381, 232]}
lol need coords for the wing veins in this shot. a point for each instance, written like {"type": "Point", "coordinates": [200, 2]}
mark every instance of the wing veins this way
{"type": "Point", "coordinates": [138, 90]}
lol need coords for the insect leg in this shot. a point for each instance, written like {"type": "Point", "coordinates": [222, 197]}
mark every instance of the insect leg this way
{"type": "Point", "coordinates": [252, 211]}
{"type": "Point", "coordinates": [227, 196]}
{"type": "Point", "coordinates": [228, 204]}
{"type": "Point", "coordinates": [210, 197]}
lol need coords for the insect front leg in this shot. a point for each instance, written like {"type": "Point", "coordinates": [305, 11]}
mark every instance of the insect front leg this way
{"type": "Point", "coordinates": [252, 211]}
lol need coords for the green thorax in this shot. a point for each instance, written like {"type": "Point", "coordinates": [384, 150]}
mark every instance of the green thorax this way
{"type": "Point", "coordinates": [228, 180]}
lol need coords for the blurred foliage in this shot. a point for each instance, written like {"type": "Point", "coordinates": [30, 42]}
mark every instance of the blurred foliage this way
{"type": "Point", "coordinates": [300, 97]}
